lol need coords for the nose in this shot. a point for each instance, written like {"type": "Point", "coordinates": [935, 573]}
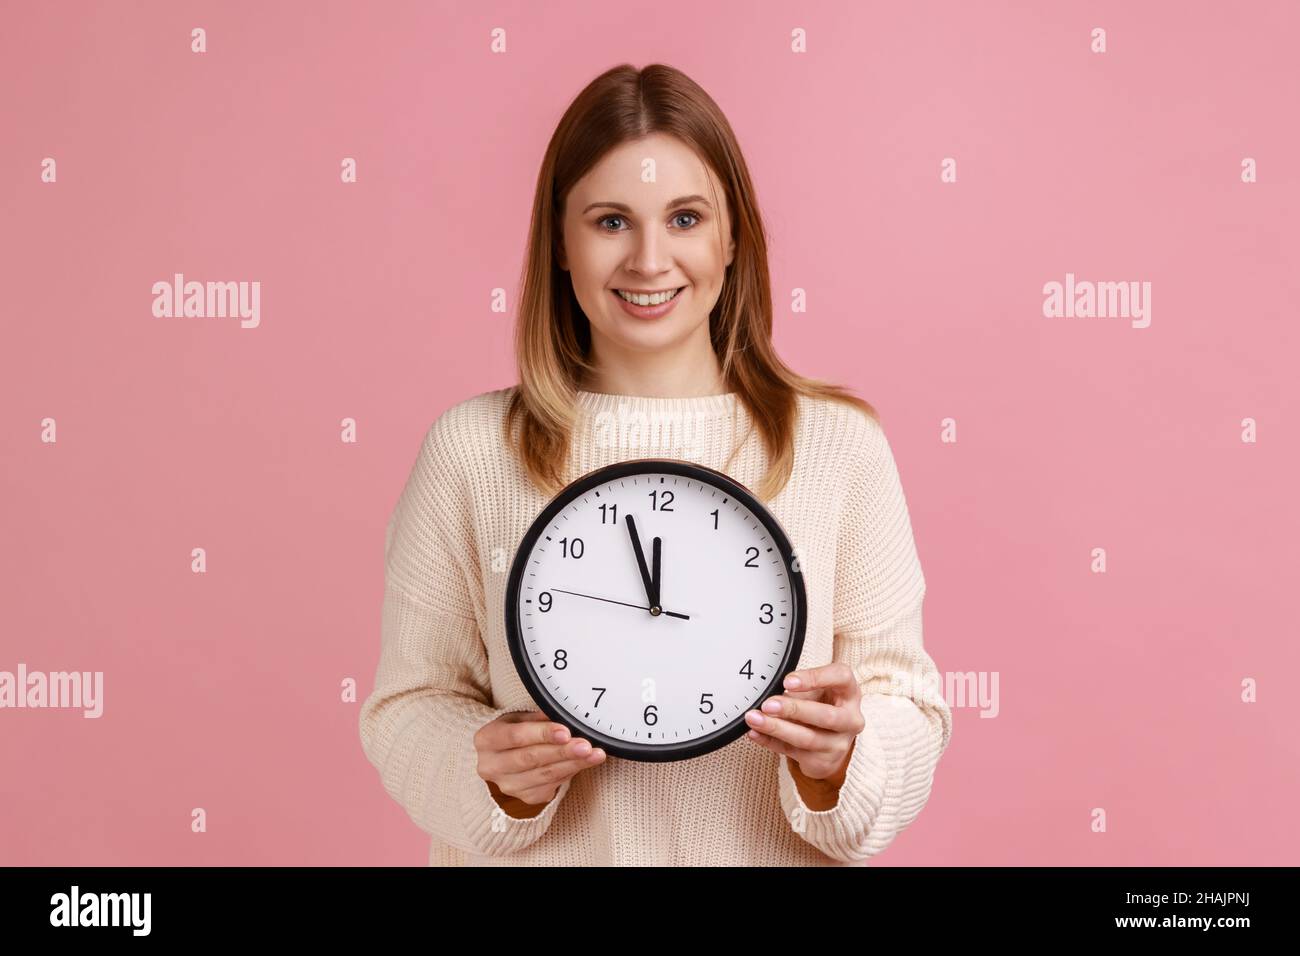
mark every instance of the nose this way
{"type": "Point", "coordinates": [651, 254]}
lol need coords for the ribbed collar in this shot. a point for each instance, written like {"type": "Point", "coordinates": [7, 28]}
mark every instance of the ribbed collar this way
{"type": "Point", "coordinates": [700, 406]}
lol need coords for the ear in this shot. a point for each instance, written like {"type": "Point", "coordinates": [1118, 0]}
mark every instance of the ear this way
{"type": "Point", "coordinates": [560, 258]}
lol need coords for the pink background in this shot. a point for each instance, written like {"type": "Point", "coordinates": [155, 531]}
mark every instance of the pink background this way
{"type": "Point", "coordinates": [222, 690]}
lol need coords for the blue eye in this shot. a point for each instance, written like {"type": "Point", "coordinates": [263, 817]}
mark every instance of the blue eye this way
{"type": "Point", "coordinates": [693, 215]}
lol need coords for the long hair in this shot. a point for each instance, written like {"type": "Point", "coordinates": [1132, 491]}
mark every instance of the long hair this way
{"type": "Point", "coordinates": [553, 336]}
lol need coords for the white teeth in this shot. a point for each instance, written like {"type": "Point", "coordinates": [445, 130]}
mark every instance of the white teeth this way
{"type": "Point", "coordinates": [659, 298]}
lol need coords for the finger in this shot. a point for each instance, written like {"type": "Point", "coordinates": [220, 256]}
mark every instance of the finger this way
{"type": "Point", "coordinates": [543, 778]}
{"type": "Point", "coordinates": [523, 759]}
{"type": "Point", "coordinates": [836, 676]}
{"type": "Point", "coordinates": [798, 735]}
{"type": "Point", "coordinates": [807, 694]}
{"type": "Point", "coordinates": [518, 729]}
{"type": "Point", "coordinates": [529, 732]}
{"type": "Point", "coordinates": [771, 743]}
{"type": "Point", "coordinates": [841, 720]}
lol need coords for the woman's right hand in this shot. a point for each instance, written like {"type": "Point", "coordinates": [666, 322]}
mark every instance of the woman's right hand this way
{"type": "Point", "coordinates": [526, 756]}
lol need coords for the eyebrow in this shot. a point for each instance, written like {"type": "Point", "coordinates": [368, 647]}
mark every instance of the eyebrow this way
{"type": "Point", "coordinates": [621, 207]}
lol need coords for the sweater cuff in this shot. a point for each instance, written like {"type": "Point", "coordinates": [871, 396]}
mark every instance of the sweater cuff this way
{"type": "Point", "coordinates": [488, 824]}
{"type": "Point", "coordinates": [892, 763]}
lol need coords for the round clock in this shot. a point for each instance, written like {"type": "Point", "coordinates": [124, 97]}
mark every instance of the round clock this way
{"type": "Point", "coordinates": [651, 604]}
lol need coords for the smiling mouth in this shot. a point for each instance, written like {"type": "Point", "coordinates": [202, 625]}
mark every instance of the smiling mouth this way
{"type": "Point", "coordinates": [648, 298]}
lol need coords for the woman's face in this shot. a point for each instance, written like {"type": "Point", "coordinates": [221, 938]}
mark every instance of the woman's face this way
{"type": "Point", "coordinates": [622, 233]}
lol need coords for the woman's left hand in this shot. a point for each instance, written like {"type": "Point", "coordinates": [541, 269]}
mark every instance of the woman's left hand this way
{"type": "Point", "coordinates": [815, 722]}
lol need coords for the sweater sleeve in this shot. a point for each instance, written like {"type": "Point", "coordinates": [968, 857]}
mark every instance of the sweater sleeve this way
{"type": "Point", "coordinates": [432, 687]}
{"type": "Point", "coordinates": [878, 594]}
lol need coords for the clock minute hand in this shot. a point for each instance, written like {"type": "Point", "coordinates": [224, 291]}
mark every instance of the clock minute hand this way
{"type": "Point", "coordinates": [640, 562]}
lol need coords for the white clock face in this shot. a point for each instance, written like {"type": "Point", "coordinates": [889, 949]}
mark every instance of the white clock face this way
{"type": "Point", "coordinates": [655, 659]}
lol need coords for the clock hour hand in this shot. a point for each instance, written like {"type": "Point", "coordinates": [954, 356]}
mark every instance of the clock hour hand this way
{"type": "Point", "coordinates": [640, 562]}
{"type": "Point", "coordinates": [655, 580]}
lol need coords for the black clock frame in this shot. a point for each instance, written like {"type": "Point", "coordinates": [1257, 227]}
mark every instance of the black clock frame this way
{"type": "Point", "coordinates": [632, 750]}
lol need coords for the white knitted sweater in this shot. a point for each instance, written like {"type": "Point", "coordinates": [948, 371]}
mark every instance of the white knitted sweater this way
{"type": "Point", "coordinates": [445, 669]}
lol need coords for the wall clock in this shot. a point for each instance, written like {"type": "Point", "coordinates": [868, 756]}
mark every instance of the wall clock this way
{"type": "Point", "coordinates": [651, 604]}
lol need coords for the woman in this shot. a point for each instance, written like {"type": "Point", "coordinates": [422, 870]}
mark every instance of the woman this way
{"type": "Point", "coordinates": [663, 322]}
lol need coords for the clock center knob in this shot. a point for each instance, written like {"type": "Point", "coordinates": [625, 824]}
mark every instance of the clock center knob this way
{"type": "Point", "coordinates": [656, 611]}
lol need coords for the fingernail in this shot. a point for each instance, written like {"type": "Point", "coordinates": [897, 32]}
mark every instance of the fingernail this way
{"type": "Point", "coordinates": [793, 681]}
{"type": "Point", "coordinates": [772, 705]}
{"type": "Point", "coordinates": [755, 717]}
{"type": "Point", "coordinates": [561, 735]}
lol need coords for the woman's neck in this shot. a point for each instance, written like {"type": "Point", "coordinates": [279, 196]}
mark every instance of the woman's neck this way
{"type": "Point", "coordinates": [651, 382]}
